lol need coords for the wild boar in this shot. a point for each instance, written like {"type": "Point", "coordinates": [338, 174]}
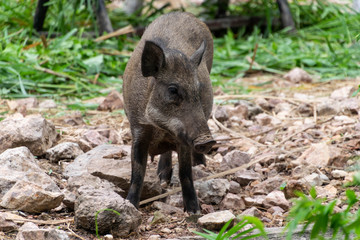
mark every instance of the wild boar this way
{"type": "Point", "coordinates": [168, 99]}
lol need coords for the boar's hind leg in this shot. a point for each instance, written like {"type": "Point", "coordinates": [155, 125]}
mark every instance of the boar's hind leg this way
{"type": "Point", "coordinates": [198, 158]}
{"type": "Point", "coordinates": [164, 170]}
{"type": "Point", "coordinates": [139, 153]}
{"type": "Point", "coordinates": [185, 174]}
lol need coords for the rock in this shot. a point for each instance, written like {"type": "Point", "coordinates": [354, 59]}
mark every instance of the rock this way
{"type": "Point", "coordinates": [338, 174]}
{"type": "Point", "coordinates": [166, 230]}
{"type": "Point", "coordinates": [244, 177]}
{"type": "Point", "coordinates": [317, 155]}
{"type": "Point", "coordinates": [234, 187]}
{"type": "Point", "coordinates": [29, 231]}
{"type": "Point", "coordinates": [305, 110]}
{"type": "Point", "coordinates": [158, 217]}
{"type": "Point", "coordinates": [349, 106]}
{"type": "Point", "coordinates": [268, 185]}
{"type": "Point", "coordinates": [112, 102]}
{"type": "Point", "coordinates": [240, 111]}
{"type": "Point", "coordinates": [115, 137]}
{"type": "Point", "coordinates": [234, 159]}
{"type": "Point", "coordinates": [206, 208]}
{"type": "Point", "coordinates": [7, 226]}
{"type": "Point", "coordinates": [22, 103]}
{"type": "Point", "coordinates": [212, 191]}
{"type": "Point", "coordinates": [253, 211]}
{"type": "Point", "coordinates": [221, 114]}
{"type": "Point", "coordinates": [47, 104]}
{"type": "Point", "coordinates": [233, 202]}
{"type": "Point", "coordinates": [154, 237]}
{"type": "Point", "coordinates": [98, 154]}
{"type": "Point", "coordinates": [30, 197]}
{"type": "Point", "coordinates": [342, 93]}
{"type": "Point", "coordinates": [65, 150]}
{"type": "Point", "coordinates": [175, 200]}
{"type": "Point", "coordinates": [166, 208]}
{"type": "Point", "coordinates": [252, 109]}
{"type": "Point", "coordinates": [199, 172]}
{"type": "Point", "coordinates": [108, 237]}
{"type": "Point", "coordinates": [293, 186]}
{"type": "Point", "coordinates": [256, 200]}
{"type": "Point", "coordinates": [327, 108]}
{"type": "Point", "coordinates": [338, 157]}
{"type": "Point", "coordinates": [313, 179]}
{"type": "Point", "coordinates": [216, 220]}
{"type": "Point", "coordinates": [86, 179]}
{"type": "Point", "coordinates": [328, 192]}
{"type": "Point", "coordinates": [264, 104]}
{"type": "Point", "coordinates": [94, 138]}
{"type": "Point", "coordinates": [23, 167]}
{"type": "Point", "coordinates": [69, 199]}
{"type": "Point", "coordinates": [298, 75]}
{"type": "Point", "coordinates": [301, 171]}
{"type": "Point", "coordinates": [276, 210]}
{"type": "Point", "coordinates": [283, 107]}
{"type": "Point", "coordinates": [33, 131]}
{"type": "Point", "coordinates": [118, 171]}
{"type": "Point", "coordinates": [89, 201]}
{"type": "Point", "coordinates": [264, 119]}
{"type": "Point", "coordinates": [276, 198]}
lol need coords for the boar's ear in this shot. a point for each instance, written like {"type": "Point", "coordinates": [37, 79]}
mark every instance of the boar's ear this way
{"type": "Point", "coordinates": [198, 54]}
{"type": "Point", "coordinates": [152, 59]}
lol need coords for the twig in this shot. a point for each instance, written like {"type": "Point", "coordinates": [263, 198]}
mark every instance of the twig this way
{"type": "Point", "coordinates": [300, 131]}
{"type": "Point", "coordinates": [253, 57]}
{"type": "Point", "coordinates": [235, 133]}
{"type": "Point", "coordinates": [73, 233]}
{"type": "Point", "coordinates": [49, 71]}
{"type": "Point", "coordinates": [121, 31]}
{"type": "Point", "coordinates": [217, 175]}
{"type": "Point", "coordinates": [230, 97]}
{"type": "Point", "coordinates": [41, 222]}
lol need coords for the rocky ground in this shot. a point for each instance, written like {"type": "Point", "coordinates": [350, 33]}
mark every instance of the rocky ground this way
{"type": "Point", "coordinates": [60, 168]}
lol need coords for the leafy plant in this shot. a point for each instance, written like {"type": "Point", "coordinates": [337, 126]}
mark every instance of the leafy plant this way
{"type": "Point", "coordinates": [310, 210]}
{"type": "Point", "coordinates": [242, 230]}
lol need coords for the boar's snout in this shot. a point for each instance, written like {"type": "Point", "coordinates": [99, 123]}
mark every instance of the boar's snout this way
{"type": "Point", "coordinates": [203, 144]}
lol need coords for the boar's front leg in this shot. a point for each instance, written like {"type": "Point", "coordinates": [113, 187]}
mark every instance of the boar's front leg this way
{"type": "Point", "coordinates": [190, 200]}
{"type": "Point", "coordinates": [139, 153]}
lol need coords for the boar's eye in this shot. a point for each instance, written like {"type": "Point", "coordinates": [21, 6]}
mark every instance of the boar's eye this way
{"type": "Point", "coordinates": [174, 95]}
{"type": "Point", "coordinates": [173, 90]}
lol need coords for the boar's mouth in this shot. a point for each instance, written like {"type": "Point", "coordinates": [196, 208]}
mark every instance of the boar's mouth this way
{"type": "Point", "coordinates": [203, 144]}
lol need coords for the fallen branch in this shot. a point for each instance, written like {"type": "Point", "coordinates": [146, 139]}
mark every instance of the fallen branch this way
{"type": "Point", "coordinates": [300, 131]}
{"type": "Point", "coordinates": [73, 233]}
{"type": "Point", "coordinates": [235, 133]}
{"type": "Point", "coordinates": [41, 222]}
{"type": "Point", "coordinates": [49, 71]}
{"type": "Point", "coordinates": [231, 97]}
{"type": "Point", "coordinates": [122, 31]}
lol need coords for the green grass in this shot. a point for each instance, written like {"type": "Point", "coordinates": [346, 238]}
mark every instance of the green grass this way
{"type": "Point", "coordinates": [245, 229]}
{"type": "Point", "coordinates": [79, 67]}
{"type": "Point", "coordinates": [312, 210]}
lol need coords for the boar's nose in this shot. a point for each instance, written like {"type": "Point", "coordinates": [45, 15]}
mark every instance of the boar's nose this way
{"type": "Point", "coordinates": [203, 144]}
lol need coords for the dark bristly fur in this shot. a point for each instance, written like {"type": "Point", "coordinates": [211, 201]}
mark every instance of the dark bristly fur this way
{"type": "Point", "coordinates": [168, 100]}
